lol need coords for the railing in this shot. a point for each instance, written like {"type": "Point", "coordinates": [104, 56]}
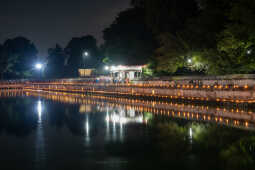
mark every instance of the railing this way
{"type": "Point", "coordinates": [236, 90]}
{"type": "Point", "coordinates": [230, 116]}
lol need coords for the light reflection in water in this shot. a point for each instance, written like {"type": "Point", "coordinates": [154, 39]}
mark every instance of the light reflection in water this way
{"type": "Point", "coordinates": [87, 135]}
{"type": "Point", "coordinates": [39, 111]}
{"type": "Point", "coordinates": [190, 135]}
{"type": "Point", "coordinates": [107, 136]}
{"type": "Point", "coordinates": [241, 117]}
{"type": "Point", "coordinates": [39, 144]}
{"type": "Point", "coordinates": [116, 118]}
{"type": "Point", "coordinates": [121, 132]}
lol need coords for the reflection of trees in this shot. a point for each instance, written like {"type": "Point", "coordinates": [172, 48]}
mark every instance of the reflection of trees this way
{"type": "Point", "coordinates": [165, 142]}
{"type": "Point", "coordinates": [240, 154]}
{"type": "Point", "coordinates": [56, 114]}
{"type": "Point", "coordinates": [69, 117]}
{"type": "Point", "coordinates": [75, 121]}
{"type": "Point", "coordinates": [231, 148]}
{"type": "Point", "coordinates": [171, 139]}
{"type": "Point", "coordinates": [215, 137]}
{"type": "Point", "coordinates": [17, 117]}
{"type": "Point", "coordinates": [212, 146]}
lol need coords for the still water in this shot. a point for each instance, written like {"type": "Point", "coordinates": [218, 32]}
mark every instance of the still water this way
{"type": "Point", "coordinates": [43, 130]}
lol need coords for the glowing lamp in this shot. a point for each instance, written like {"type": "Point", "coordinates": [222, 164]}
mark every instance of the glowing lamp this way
{"type": "Point", "coordinates": [38, 66]}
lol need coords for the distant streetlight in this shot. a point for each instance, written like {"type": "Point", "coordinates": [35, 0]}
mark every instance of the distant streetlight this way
{"type": "Point", "coordinates": [38, 66]}
{"type": "Point", "coordinates": [189, 61]}
{"type": "Point", "coordinates": [249, 51]}
{"type": "Point", "coordinates": [106, 67]}
{"type": "Point", "coordinates": [85, 55]}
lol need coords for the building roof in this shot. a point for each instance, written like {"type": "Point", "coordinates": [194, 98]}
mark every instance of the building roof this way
{"type": "Point", "coordinates": [127, 68]}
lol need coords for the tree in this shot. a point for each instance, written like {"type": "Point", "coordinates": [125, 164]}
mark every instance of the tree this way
{"type": "Point", "coordinates": [240, 154]}
{"type": "Point", "coordinates": [127, 40]}
{"type": "Point", "coordinates": [167, 16]}
{"type": "Point", "coordinates": [5, 62]}
{"type": "Point", "coordinates": [76, 49]}
{"type": "Point", "coordinates": [167, 19]}
{"type": "Point", "coordinates": [188, 33]}
{"type": "Point", "coordinates": [236, 43]}
{"type": "Point", "coordinates": [201, 35]}
{"type": "Point", "coordinates": [18, 56]}
{"type": "Point", "coordinates": [56, 62]}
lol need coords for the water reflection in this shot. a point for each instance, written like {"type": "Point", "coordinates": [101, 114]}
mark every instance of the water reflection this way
{"type": "Point", "coordinates": [190, 134]}
{"type": "Point", "coordinates": [16, 117]}
{"type": "Point", "coordinates": [230, 115]}
{"type": "Point", "coordinates": [40, 143]}
{"type": "Point", "coordinates": [99, 132]}
{"type": "Point", "coordinates": [39, 111]}
{"type": "Point", "coordinates": [123, 116]}
{"type": "Point", "coordinates": [87, 137]}
{"type": "Point", "coordinates": [120, 111]}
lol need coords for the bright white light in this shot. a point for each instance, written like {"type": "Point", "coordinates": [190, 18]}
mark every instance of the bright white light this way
{"type": "Point", "coordinates": [189, 60]}
{"type": "Point", "coordinates": [140, 119]}
{"type": "Point", "coordinates": [113, 68]}
{"type": "Point", "coordinates": [115, 118]}
{"type": "Point", "coordinates": [38, 66]}
{"type": "Point", "coordinates": [86, 53]}
{"type": "Point", "coordinates": [106, 68]}
{"type": "Point", "coordinates": [249, 52]}
{"type": "Point", "coordinates": [131, 113]}
{"type": "Point", "coordinates": [39, 111]}
{"type": "Point", "coordinates": [107, 119]}
{"type": "Point", "coordinates": [39, 107]}
{"type": "Point", "coordinates": [87, 128]}
{"type": "Point", "coordinates": [190, 133]}
{"type": "Point", "coordinates": [123, 120]}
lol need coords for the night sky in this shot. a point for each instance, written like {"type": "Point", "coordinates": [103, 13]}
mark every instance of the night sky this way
{"type": "Point", "coordinates": [47, 22]}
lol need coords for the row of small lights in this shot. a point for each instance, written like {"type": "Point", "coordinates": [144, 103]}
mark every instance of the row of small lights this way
{"type": "Point", "coordinates": [153, 103]}
{"type": "Point", "coordinates": [153, 110]}
{"type": "Point", "coordinates": [192, 99]}
{"type": "Point", "coordinates": [178, 86]}
{"type": "Point", "coordinates": [152, 94]}
{"type": "Point", "coordinates": [145, 85]}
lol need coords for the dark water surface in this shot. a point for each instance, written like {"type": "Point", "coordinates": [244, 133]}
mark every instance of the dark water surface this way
{"type": "Point", "coordinates": [41, 130]}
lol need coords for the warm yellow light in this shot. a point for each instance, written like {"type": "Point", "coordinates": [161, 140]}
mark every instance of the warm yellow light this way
{"type": "Point", "coordinates": [153, 92]}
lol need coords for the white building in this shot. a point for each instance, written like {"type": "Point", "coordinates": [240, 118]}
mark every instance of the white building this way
{"type": "Point", "coordinates": [122, 72]}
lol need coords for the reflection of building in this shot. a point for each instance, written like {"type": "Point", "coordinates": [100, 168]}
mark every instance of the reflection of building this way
{"type": "Point", "coordinates": [126, 72]}
{"type": "Point", "coordinates": [123, 116]}
{"type": "Point", "coordinates": [135, 110]}
{"type": "Point", "coordinates": [85, 108]}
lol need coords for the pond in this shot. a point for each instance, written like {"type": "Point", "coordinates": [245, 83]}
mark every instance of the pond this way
{"type": "Point", "coordinates": [48, 130]}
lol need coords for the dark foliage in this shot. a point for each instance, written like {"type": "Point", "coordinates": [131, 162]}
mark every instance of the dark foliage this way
{"type": "Point", "coordinates": [128, 40]}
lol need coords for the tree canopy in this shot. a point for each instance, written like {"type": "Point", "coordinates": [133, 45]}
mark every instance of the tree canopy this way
{"type": "Point", "coordinates": [17, 58]}
{"type": "Point", "coordinates": [128, 40]}
{"type": "Point", "coordinates": [171, 36]}
{"type": "Point", "coordinates": [237, 40]}
{"type": "Point", "coordinates": [167, 16]}
{"type": "Point", "coordinates": [209, 36]}
{"type": "Point", "coordinates": [82, 52]}
{"type": "Point", "coordinates": [56, 66]}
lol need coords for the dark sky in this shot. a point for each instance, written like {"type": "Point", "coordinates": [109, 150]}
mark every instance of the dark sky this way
{"type": "Point", "coordinates": [47, 22]}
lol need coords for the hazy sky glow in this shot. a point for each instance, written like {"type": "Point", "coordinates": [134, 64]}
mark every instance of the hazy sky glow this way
{"type": "Point", "coordinates": [47, 22]}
